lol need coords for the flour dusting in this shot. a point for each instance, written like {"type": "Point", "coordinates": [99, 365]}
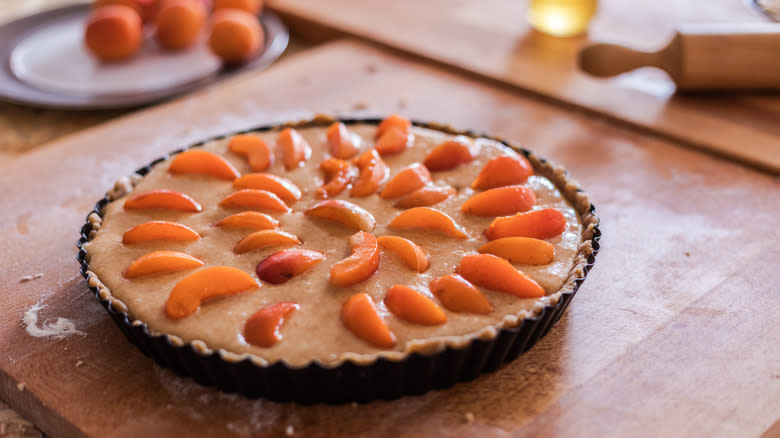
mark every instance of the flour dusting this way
{"type": "Point", "coordinates": [59, 329]}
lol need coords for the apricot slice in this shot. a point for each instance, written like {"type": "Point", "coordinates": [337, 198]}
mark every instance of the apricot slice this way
{"type": "Point", "coordinates": [373, 172]}
{"type": "Point", "coordinates": [337, 177]}
{"type": "Point", "coordinates": [202, 162]}
{"type": "Point", "coordinates": [165, 199]}
{"type": "Point", "coordinates": [206, 284]}
{"type": "Point", "coordinates": [393, 120]}
{"type": "Point", "coordinates": [251, 6]}
{"type": "Point", "coordinates": [525, 250]}
{"type": "Point", "coordinates": [256, 151]}
{"type": "Point", "coordinates": [178, 23]}
{"type": "Point", "coordinates": [425, 196]}
{"type": "Point", "coordinates": [295, 148]}
{"type": "Point", "coordinates": [159, 230]}
{"type": "Point", "coordinates": [281, 187]}
{"type": "Point", "coordinates": [235, 35]}
{"type": "Point", "coordinates": [343, 212]}
{"type": "Point", "coordinates": [343, 143]}
{"type": "Point", "coordinates": [286, 264]}
{"type": "Point", "coordinates": [449, 155]}
{"type": "Point", "coordinates": [504, 170]}
{"type": "Point", "coordinates": [113, 32]}
{"type": "Point", "coordinates": [361, 264]}
{"type": "Point", "coordinates": [265, 239]}
{"type": "Point", "coordinates": [249, 219]}
{"type": "Point", "coordinates": [406, 181]}
{"type": "Point", "coordinates": [412, 306]}
{"type": "Point", "coordinates": [500, 201]}
{"type": "Point", "coordinates": [393, 140]}
{"type": "Point", "coordinates": [410, 253]}
{"type": "Point", "coordinates": [458, 295]}
{"type": "Point", "coordinates": [498, 274]}
{"type": "Point", "coordinates": [254, 198]}
{"type": "Point", "coordinates": [262, 328]}
{"type": "Point", "coordinates": [539, 224]}
{"type": "Point", "coordinates": [161, 262]}
{"type": "Point", "coordinates": [359, 316]}
{"type": "Point", "coordinates": [427, 218]}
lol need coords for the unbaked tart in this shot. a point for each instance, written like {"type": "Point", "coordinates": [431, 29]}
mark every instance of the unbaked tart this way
{"type": "Point", "coordinates": [333, 260]}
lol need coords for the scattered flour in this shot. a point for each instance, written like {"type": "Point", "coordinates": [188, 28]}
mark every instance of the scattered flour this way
{"type": "Point", "coordinates": [469, 417]}
{"type": "Point", "coordinates": [20, 386]}
{"type": "Point", "coordinates": [58, 329]}
{"type": "Point", "coordinates": [290, 430]}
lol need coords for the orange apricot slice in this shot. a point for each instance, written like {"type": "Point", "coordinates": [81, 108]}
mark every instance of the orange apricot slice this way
{"type": "Point", "coordinates": [161, 262]}
{"type": "Point", "coordinates": [412, 306]}
{"type": "Point", "coordinates": [425, 197]}
{"type": "Point", "coordinates": [500, 201]}
{"type": "Point", "coordinates": [449, 155]}
{"type": "Point", "coordinates": [427, 218]}
{"type": "Point", "coordinates": [539, 224]}
{"type": "Point", "coordinates": [251, 6]}
{"type": "Point", "coordinates": [393, 140]}
{"type": "Point", "coordinates": [295, 148]}
{"type": "Point", "coordinates": [281, 187]}
{"type": "Point", "coordinates": [337, 177]}
{"type": "Point", "coordinates": [410, 253]}
{"type": "Point", "coordinates": [254, 198]}
{"type": "Point", "coordinates": [249, 219]}
{"type": "Point", "coordinates": [159, 230]}
{"type": "Point", "coordinates": [265, 239]}
{"type": "Point", "coordinates": [202, 162]}
{"type": "Point", "coordinates": [343, 143]}
{"type": "Point", "coordinates": [286, 264]}
{"type": "Point", "coordinates": [262, 328]}
{"type": "Point", "coordinates": [163, 199]}
{"type": "Point", "coordinates": [359, 315]}
{"type": "Point", "coordinates": [525, 250]}
{"type": "Point", "coordinates": [343, 212]}
{"type": "Point", "coordinates": [206, 284]}
{"type": "Point", "coordinates": [373, 172]}
{"type": "Point", "coordinates": [257, 152]}
{"type": "Point", "coordinates": [393, 120]}
{"type": "Point", "coordinates": [498, 274]}
{"type": "Point", "coordinates": [504, 170]}
{"type": "Point", "coordinates": [361, 264]}
{"type": "Point", "coordinates": [458, 295]}
{"type": "Point", "coordinates": [406, 181]}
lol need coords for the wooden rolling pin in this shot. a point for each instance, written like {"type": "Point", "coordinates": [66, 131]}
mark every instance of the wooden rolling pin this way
{"type": "Point", "coordinates": [701, 57]}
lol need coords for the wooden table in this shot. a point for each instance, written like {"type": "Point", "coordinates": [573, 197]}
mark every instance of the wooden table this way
{"type": "Point", "coordinates": [674, 333]}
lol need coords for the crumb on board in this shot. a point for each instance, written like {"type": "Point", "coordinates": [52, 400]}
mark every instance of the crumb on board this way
{"type": "Point", "coordinates": [290, 430]}
{"type": "Point", "coordinates": [371, 68]}
{"type": "Point", "coordinates": [402, 103]}
{"type": "Point", "coordinates": [27, 278]}
{"type": "Point", "coordinates": [357, 106]}
{"type": "Point", "coordinates": [468, 417]}
{"type": "Point", "coordinates": [687, 254]}
{"type": "Point", "coordinates": [79, 363]}
{"type": "Point", "coordinates": [20, 386]}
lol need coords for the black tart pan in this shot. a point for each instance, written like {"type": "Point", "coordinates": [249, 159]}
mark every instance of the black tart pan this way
{"type": "Point", "coordinates": [384, 379]}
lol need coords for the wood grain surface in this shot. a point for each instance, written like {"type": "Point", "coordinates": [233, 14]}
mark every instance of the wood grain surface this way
{"type": "Point", "coordinates": [492, 40]}
{"type": "Point", "coordinates": [673, 334]}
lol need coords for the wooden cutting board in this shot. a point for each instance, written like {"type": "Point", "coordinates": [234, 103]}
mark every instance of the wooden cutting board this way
{"type": "Point", "coordinates": [673, 334]}
{"type": "Point", "coordinates": [492, 39]}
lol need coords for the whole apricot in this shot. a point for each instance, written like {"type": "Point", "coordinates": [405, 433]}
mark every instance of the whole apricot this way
{"type": "Point", "coordinates": [113, 33]}
{"type": "Point", "coordinates": [147, 9]}
{"type": "Point", "coordinates": [235, 35]}
{"type": "Point", "coordinates": [252, 6]}
{"type": "Point", "coordinates": [178, 24]}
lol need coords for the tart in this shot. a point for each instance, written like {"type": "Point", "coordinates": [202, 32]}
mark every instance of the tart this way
{"type": "Point", "coordinates": [338, 261]}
